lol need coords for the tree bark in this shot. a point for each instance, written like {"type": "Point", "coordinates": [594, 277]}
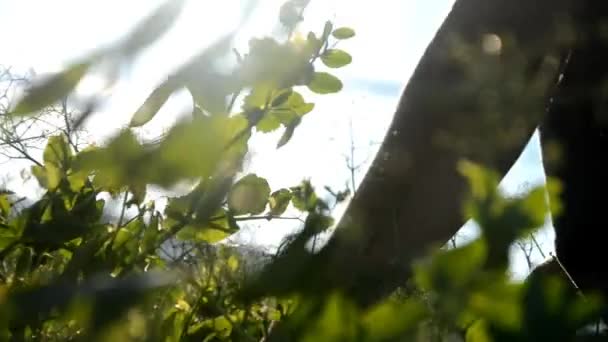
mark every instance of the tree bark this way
{"type": "Point", "coordinates": [577, 127]}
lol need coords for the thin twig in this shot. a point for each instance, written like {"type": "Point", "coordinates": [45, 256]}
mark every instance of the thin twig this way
{"type": "Point", "coordinates": [578, 289]}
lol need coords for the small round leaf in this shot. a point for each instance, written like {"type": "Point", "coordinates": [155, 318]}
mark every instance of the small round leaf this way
{"type": "Point", "coordinates": [343, 33]}
{"type": "Point", "coordinates": [335, 58]}
{"type": "Point", "coordinates": [279, 200]}
{"type": "Point", "coordinates": [249, 195]}
{"type": "Point", "coordinates": [324, 83]}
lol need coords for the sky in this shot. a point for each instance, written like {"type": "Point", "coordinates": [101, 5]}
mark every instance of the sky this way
{"type": "Point", "coordinates": [391, 37]}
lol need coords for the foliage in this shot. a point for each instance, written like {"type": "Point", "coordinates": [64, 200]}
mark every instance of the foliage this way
{"type": "Point", "coordinates": [153, 273]}
{"type": "Point", "coordinates": [156, 273]}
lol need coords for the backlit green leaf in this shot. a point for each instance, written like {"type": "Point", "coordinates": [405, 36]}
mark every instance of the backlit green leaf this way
{"type": "Point", "coordinates": [314, 43]}
{"type": "Point", "coordinates": [335, 58]}
{"type": "Point", "coordinates": [279, 200]}
{"type": "Point", "coordinates": [51, 90]}
{"type": "Point", "coordinates": [57, 151]}
{"type": "Point", "coordinates": [278, 64]}
{"type": "Point", "coordinates": [153, 103]}
{"type": "Point", "coordinates": [324, 83]}
{"type": "Point", "coordinates": [5, 205]}
{"type": "Point", "coordinates": [281, 97]}
{"type": "Point", "coordinates": [48, 176]}
{"type": "Point", "coordinates": [304, 197]}
{"type": "Point", "coordinates": [268, 123]}
{"type": "Point", "coordinates": [288, 134]}
{"type": "Point", "coordinates": [343, 33]}
{"type": "Point", "coordinates": [258, 97]}
{"type": "Point", "coordinates": [77, 180]}
{"type": "Point", "coordinates": [249, 195]}
{"type": "Point", "coordinates": [304, 109]}
{"type": "Point", "coordinates": [214, 231]}
{"type": "Point", "coordinates": [153, 27]}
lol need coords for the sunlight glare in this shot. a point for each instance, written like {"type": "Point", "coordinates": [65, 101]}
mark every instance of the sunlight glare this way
{"type": "Point", "coordinates": [92, 84]}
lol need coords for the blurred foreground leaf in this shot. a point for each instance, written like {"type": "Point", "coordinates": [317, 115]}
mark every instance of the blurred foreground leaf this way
{"type": "Point", "coordinates": [51, 90]}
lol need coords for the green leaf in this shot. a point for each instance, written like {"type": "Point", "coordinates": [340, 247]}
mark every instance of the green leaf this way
{"type": "Point", "coordinates": [281, 97]}
{"type": "Point", "coordinates": [292, 109]}
{"type": "Point", "coordinates": [272, 63]}
{"type": "Point", "coordinates": [153, 27]}
{"type": "Point", "coordinates": [57, 156]}
{"type": "Point", "coordinates": [279, 200]}
{"type": "Point", "coordinates": [478, 332]}
{"type": "Point", "coordinates": [153, 104]}
{"type": "Point", "coordinates": [178, 207]}
{"type": "Point", "coordinates": [5, 205]}
{"type": "Point", "coordinates": [324, 83]}
{"type": "Point", "coordinates": [335, 58]}
{"type": "Point", "coordinates": [40, 173]}
{"type": "Point", "coordinates": [7, 238]}
{"type": "Point", "coordinates": [286, 112]}
{"type": "Point", "coordinates": [337, 320]}
{"type": "Point", "coordinates": [257, 98]}
{"type": "Point", "coordinates": [269, 123]}
{"type": "Point", "coordinates": [222, 327]}
{"type": "Point", "coordinates": [453, 269]}
{"type": "Point", "coordinates": [232, 263]}
{"type": "Point", "coordinates": [304, 109]}
{"type": "Point", "coordinates": [77, 180]}
{"type": "Point", "coordinates": [482, 182]}
{"type": "Point", "coordinates": [51, 90]}
{"type": "Point", "coordinates": [210, 89]}
{"type": "Point", "coordinates": [57, 151]}
{"type": "Point", "coordinates": [316, 222]}
{"type": "Point", "coordinates": [296, 102]}
{"type": "Point", "coordinates": [151, 233]}
{"type": "Point", "coordinates": [249, 195]}
{"type": "Point", "coordinates": [48, 176]}
{"type": "Point", "coordinates": [314, 43]}
{"type": "Point", "coordinates": [213, 139]}
{"type": "Point", "coordinates": [343, 33]}
{"type": "Point", "coordinates": [122, 236]}
{"type": "Point", "coordinates": [286, 106]}
{"type": "Point", "coordinates": [304, 196]}
{"type": "Point", "coordinates": [53, 176]}
{"type": "Point", "coordinates": [220, 227]}
{"type": "Point", "coordinates": [116, 164]}
{"type": "Point", "coordinates": [207, 86]}
{"type": "Point", "coordinates": [397, 318]}
{"type": "Point", "coordinates": [138, 190]}
{"type": "Point", "coordinates": [288, 134]}
{"type": "Point", "coordinates": [127, 239]}
{"type": "Point", "coordinates": [219, 141]}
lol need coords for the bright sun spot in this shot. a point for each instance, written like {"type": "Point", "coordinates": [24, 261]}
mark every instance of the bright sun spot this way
{"type": "Point", "coordinates": [92, 84]}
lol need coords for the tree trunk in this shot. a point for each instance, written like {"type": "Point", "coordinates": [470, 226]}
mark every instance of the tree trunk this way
{"type": "Point", "coordinates": [478, 93]}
